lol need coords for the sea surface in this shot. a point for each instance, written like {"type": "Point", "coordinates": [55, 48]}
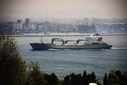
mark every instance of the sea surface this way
{"type": "Point", "coordinates": [64, 62]}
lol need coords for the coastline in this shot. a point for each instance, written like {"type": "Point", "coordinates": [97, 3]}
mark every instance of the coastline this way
{"type": "Point", "coordinates": [66, 34]}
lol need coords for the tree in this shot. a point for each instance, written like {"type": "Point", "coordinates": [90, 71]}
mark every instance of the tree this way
{"type": "Point", "coordinates": [116, 78]}
{"type": "Point", "coordinates": [52, 79]}
{"type": "Point", "coordinates": [113, 78]}
{"type": "Point", "coordinates": [66, 80]}
{"type": "Point", "coordinates": [105, 80]}
{"type": "Point", "coordinates": [35, 76]}
{"type": "Point", "coordinates": [91, 78]}
{"type": "Point", "coordinates": [12, 67]}
{"type": "Point", "coordinates": [85, 78]}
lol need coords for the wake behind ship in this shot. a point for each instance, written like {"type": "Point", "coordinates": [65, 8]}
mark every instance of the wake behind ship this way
{"type": "Point", "coordinates": [91, 42]}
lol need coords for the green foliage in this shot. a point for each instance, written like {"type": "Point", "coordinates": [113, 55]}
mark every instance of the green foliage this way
{"type": "Point", "coordinates": [12, 67]}
{"type": "Point", "coordinates": [13, 70]}
{"type": "Point", "coordinates": [35, 76]}
{"type": "Point", "coordinates": [78, 79]}
{"type": "Point", "coordinates": [105, 79]}
{"type": "Point", "coordinates": [67, 80]}
{"type": "Point", "coordinates": [52, 79]}
{"type": "Point", "coordinates": [115, 78]}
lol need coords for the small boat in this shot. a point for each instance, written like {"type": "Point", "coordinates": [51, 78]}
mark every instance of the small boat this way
{"type": "Point", "coordinates": [90, 42]}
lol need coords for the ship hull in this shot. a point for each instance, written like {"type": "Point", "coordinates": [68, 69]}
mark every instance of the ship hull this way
{"type": "Point", "coordinates": [46, 46]}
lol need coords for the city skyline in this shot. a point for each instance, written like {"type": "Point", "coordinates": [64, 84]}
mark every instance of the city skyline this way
{"type": "Point", "coordinates": [76, 9]}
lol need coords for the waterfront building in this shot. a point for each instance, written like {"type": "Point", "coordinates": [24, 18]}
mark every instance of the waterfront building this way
{"type": "Point", "coordinates": [19, 21]}
{"type": "Point", "coordinates": [27, 23]}
{"type": "Point", "coordinates": [33, 26]}
{"type": "Point", "coordinates": [18, 25]}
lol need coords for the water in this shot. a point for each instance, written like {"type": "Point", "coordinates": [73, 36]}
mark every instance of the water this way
{"type": "Point", "coordinates": [64, 62]}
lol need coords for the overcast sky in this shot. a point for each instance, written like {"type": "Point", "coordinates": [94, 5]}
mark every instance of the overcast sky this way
{"type": "Point", "coordinates": [36, 9]}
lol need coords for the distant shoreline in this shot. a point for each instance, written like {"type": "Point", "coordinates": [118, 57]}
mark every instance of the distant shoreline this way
{"type": "Point", "coordinates": [68, 35]}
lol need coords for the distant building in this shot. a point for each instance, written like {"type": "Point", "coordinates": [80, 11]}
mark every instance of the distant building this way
{"type": "Point", "coordinates": [86, 20]}
{"type": "Point", "coordinates": [6, 28]}
{"type": "Point", "coordinates": [83, 28]}
{"type": "Point", "coordinates": [27, 23]}
{"type": "Point", "coordinates": [87, 28]}
{"type": "Point", "coordinates": [18, 25]}
{"type": "Point", "coordinates": [33, 26]}
{"type": "Point", "coordinates": [19, 21]}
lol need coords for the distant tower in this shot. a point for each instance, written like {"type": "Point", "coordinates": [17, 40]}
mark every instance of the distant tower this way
{"type": "Point", "coordinates": [19, 21]}
{"type": "Point", "coordinates": [93, 28]}
{"type": "Point", "coordinates": [19, 24]}
{"type": "Point", "coordinates": [27, 22]}
{"type": "Point", "coordinates": [86, 20]}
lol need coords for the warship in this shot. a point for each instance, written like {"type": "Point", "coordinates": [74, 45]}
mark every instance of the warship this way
{"type": "Point", "coordinates": [94, 41]}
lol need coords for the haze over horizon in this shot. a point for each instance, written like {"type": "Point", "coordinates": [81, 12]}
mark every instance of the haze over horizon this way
{"type": "Point", "coordinates": [76, 9]}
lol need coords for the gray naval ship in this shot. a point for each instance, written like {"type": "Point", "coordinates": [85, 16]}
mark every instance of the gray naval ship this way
{"type": "Point", "coordinates": [90, 42]}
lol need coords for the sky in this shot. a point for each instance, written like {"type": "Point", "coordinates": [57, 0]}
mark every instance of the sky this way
{"type": "Point", "coordinates": [76, 9]}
